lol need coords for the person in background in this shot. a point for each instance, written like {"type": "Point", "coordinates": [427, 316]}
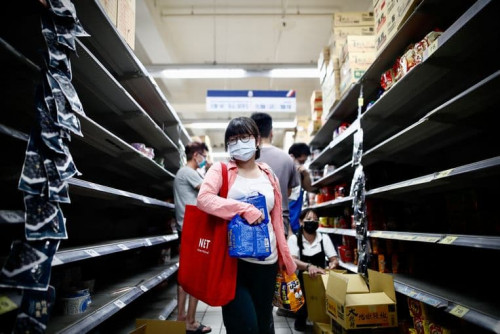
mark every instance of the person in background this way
{"type": "Point", "coordinates": [312, 252]}
{"type": "Point", "coordinates": [299, 153]}
{"type": "Point", "coordinates": [251, 309]}
{"type": "Point", "coordinates": [187, 183]}
{"type": "Point", "coordinates": [280, 163]}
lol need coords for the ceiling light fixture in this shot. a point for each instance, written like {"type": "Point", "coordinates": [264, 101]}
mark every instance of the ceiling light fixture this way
{"type": "Point", "coordinates": [203, 73]}
{"type": "Point", "coordinates": [228, 71]}
{"type": "Point", "coordinates": [223, 125]}
{"type": "Point", "coordinates": [294, 73]}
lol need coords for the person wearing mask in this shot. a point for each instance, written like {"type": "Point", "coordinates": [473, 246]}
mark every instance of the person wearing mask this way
{"type": "Point", "coordinates": [187, 183]}
{"type": "Point", "coordinates": [299, 152]}
{"type": "Point", "coordinates": [251, 309]}
{"type": "Point", "coordinates": [312, 252]}
{"type": "Point", "coordinates": [280, 163]}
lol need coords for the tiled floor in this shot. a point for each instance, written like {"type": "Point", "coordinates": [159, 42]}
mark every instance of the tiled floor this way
{"type": "Point", "coordinates": [212, 316]}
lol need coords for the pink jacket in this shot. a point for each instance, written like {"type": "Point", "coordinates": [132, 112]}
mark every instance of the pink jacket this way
{"type": "Point", "coordinates": [226, 208]}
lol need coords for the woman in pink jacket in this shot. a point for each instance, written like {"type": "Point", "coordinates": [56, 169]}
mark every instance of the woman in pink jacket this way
{"type": "Point", "coordinates": [251, 309]}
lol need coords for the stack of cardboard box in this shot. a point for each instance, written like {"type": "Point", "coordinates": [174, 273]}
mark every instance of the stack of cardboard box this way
{"type": "Point", "coordinates": [351, 32]}
{"type": "Point", "coordinates": [390, 15]}
{"type": "Point", "coordinates": [122, 14]}
{"type": "Point", "coordinates": [316, 112]}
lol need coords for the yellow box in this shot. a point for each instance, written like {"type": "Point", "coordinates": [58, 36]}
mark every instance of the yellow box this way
{"type": "Point", "coordinates": [153, 326]}
{"type": "Point", "coordinates": [316, 298]}
{"type": "Point", "coordinates": [315, 288]}
{"type": "Point", "coordinates": [322, 328]}
{"type": "Point", "coordinates": [351, 305]}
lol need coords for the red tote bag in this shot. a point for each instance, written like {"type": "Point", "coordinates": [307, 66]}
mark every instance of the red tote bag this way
{"type": "Point", "coordinates": [206, 271]}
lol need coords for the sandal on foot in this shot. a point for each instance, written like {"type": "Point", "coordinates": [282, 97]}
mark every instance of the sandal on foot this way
{"type": "Point", "coordinates": [202, 329]}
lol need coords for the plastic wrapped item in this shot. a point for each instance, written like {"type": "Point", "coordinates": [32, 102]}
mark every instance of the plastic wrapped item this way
{"type": "Point", "coordinates": [246, 240]}
{"type": "Point", "coordinates": [288, 292]}
{"type": "Point", "coordinates": [28, 265]}
{"type": "Point", "coordinates": [357, 150]}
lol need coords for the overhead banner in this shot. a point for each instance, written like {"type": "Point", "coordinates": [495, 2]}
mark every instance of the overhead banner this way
{"type": "Point", "coordinates": [251, 100]}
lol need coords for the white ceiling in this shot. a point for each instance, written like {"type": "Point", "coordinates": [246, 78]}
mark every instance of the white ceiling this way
{"type": "Point", "coordinates": [235, 32]}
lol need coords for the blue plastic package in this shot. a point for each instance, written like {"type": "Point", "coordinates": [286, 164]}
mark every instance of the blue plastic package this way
{"type": "Point", "coordinates": [247, 240]}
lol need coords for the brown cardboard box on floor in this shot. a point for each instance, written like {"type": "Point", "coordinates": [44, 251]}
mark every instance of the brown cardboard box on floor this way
{"type": "Point", "coordinates": [316, 296]}
{"type": "Point", "coordinates": [351, 305]}
{"type": "Point", "coordinates": [154, 326]}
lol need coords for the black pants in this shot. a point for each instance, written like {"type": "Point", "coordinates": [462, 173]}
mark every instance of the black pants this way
{"type": "Point", "coordinates": [251, 310]}
{"type": "Point", "coordinates": [301, 314]}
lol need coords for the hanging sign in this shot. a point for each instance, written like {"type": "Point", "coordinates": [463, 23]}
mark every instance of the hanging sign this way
{"type": "Point", "coordinates": [251, 100]}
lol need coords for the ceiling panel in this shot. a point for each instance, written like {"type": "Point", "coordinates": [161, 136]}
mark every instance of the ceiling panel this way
{"type": "Point", "coordinates": [235, 32]}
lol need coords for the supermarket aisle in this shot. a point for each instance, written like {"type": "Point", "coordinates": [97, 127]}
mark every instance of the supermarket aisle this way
{"type": "Point", "coordinates": [212, 316]}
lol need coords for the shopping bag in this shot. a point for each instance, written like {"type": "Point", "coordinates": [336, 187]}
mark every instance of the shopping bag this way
{"type": "Point", "coordinates": [206, 271]}
{"type": "Point", "coordinates": [287, 292]}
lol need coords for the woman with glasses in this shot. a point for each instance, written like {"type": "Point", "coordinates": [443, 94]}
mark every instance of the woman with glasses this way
{"type": "Point", "coordinates": [251, 309]}
{"type": "Point", "coordinates": [312, 252]}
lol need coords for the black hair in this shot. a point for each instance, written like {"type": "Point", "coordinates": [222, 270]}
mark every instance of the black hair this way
{"type": "Point", "coordinates": [264, 123]}
{"type": "Point", "coordinates": [304, 213]}
{"type": "Point", "coordinates": [299, 149]}
{"type": "Point", "coordinates": [242, 126]}
{"type": "Point", "coordinates": [193, 147]}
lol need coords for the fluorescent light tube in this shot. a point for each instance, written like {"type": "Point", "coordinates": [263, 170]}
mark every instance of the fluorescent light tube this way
{"type": "Point", "coordinates": [294, 73]}
{"type": "Point", "coordinates": [223, 125]}
{"type": "Point", "coordinates": [203, 73]}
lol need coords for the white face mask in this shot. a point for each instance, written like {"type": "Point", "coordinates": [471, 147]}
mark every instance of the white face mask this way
{"type": "Point", "coordinates": [242, 151]}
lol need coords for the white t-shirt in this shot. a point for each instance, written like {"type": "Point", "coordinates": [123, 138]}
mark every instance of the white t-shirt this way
{"type": "Point", "coordinates": [310, 249]}
{"type": "Point", "coordinates": [243, 187]}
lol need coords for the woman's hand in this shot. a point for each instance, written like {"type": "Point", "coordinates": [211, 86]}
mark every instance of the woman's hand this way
{"type": "Point", "coordinates": [259, 220]}
{"type": "Point", "coordinates": [334, 263]}
{"type": "Point", "coordinates": [315, 271]}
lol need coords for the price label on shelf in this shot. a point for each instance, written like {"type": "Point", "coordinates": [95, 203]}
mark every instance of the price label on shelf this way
{"type": "Point", "coordinates": [91, 252]}
{"type": "Point", "coordinates": [143, 288]}
{"type": "Point", "coordinates": [360, 102]}
{"type": "Point", "coordinates": [122, 246]}
{"type": "Point", "coordinates": [56, 261]}
{"type": "Point", "coordinates": [448, 240]}
{"type": "Point", "coordinates": [427, 239]}
{"type": "Point", "coordinates": [443, 173]}
{"type": "Point", "coordinates": [7, 305]}
{"type": "Point", "coordinates": [459, 311]}
{"type": "Point", "coordinates": [119, 303]}
{"type": "Point", "coordinates": [11, 216]}
{"type": "Point", "coordinates": [148, 242]}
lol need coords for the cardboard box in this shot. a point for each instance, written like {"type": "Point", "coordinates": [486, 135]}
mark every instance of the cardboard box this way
{"type": "Point", "coordinates": [322, 328]}
{"type": "Point", "coordinates": [344, 19]}
{"type": "Point", "coordinates": [339, 32]}
{"type": "Point", "coordinates": [356, 43]}
{"type": "Point", "coordinates": [351, 305]}
{"type": "Point", "coordinates": [316, 296]}
{"type": "Point", "coordinates": [153, 326]}
{"type": "Point", "coordinates": [111, 9]}
{"type": "Point", "coordinates": [125, 23]}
